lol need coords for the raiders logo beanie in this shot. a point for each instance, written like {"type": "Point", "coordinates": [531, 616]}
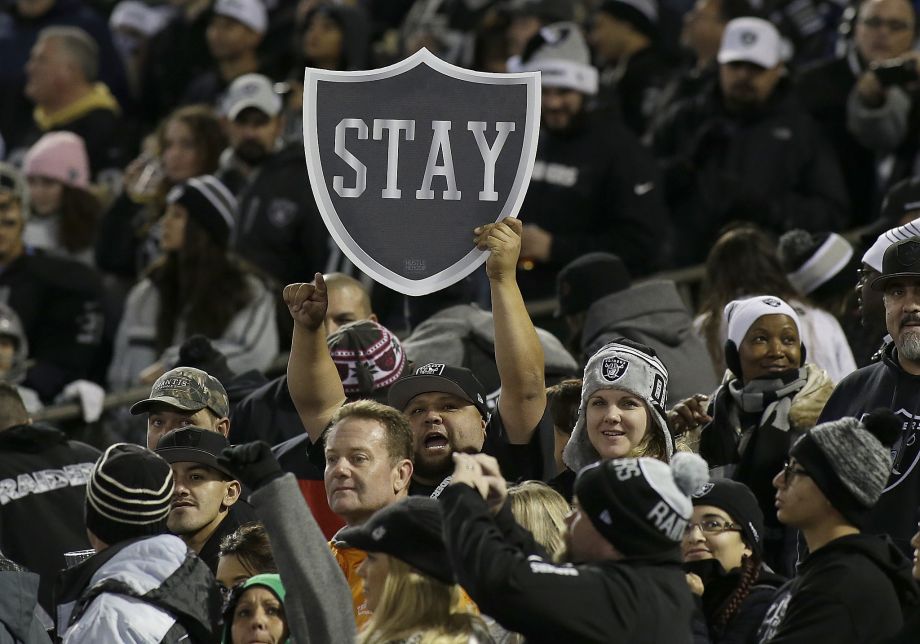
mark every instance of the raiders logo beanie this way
{"type": "Point", "coordinates": [128, 494]}
{"type": "Point", "coordinates": [629, 366]}
{"type": "Point", "coordinates": [737, 500]}
{"type": "Point", "coordinates": [641, 505]}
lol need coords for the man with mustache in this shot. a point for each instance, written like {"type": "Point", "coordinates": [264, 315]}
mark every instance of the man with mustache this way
{"type": "Point", "coordinates": [893, 383]}
{"type": "Point", "coordinates": [745, 150]}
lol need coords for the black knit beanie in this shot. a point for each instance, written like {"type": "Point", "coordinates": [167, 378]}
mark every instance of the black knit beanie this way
{"type": "Point", "coordinates": [641, 505]}
{"type": "Point", "coordinates": [741, 505]}
{"type": "Point", "coordinates": [210, 203]}
{"type": "Point", "coordinates": [128, 494]}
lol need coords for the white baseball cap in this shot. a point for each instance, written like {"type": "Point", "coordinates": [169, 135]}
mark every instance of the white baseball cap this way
{"type": "Point", "coordinates": [751, 40]}
{"type": "Point", "coordinates": [134, 14]}
{"type": "Point", "coordinates": [251, 13]}
{"type": "Point", "coordinates": [251, 90]}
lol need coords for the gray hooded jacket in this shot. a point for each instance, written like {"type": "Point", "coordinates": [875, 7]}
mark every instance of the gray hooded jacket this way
{"type": "Point", "coordinates": [654, 314]}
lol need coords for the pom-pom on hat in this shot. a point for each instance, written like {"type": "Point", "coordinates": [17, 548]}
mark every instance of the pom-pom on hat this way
{"type": "Point", "coordinates": [632, 367]}
{"type": "Point", "coordinates": [368, 357]}
{"type": "Point", "coordinates": [128, 494]}
{"type": "Point", "coordinates": [850, 461]}
{"type": "Point", "coordinates": [641, 505]}
{"type": "Point", "coordinates": [60, 156]}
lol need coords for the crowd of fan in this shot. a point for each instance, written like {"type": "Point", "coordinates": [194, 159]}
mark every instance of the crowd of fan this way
{"type": "Point", "coordinates": [462, 467]}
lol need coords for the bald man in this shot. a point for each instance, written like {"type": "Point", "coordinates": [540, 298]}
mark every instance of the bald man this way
{"type": "Point", "coordinates": [348, 301]}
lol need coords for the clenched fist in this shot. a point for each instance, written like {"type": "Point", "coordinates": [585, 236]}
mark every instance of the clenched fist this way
{"type": "Point", "coordinates": [307, 302]}
{"type": "Point", "coordinates": [503, 239]}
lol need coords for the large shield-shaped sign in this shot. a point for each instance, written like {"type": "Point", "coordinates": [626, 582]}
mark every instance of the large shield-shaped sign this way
{"type": "Point", "coordinates": [406, 160]}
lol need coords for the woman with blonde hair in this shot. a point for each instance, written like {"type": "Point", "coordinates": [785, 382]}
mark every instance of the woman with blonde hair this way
{"type": "Point", "coordinates": [621, 415]}
{"type": "Point", "coordinates": [408, 582]}
{"type": "Point", "coordinates": [542, 511]}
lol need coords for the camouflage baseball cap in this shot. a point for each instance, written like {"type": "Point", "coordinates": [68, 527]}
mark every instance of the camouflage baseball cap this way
{"type": "Point", "coordinates": [187, 389]}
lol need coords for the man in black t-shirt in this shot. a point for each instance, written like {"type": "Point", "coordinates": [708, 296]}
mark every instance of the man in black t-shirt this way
{"type": "Point", "coordinates": [445, 405]}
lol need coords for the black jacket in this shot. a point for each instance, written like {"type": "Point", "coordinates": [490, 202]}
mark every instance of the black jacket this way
{"type": "Point", "coordinates": [280, 230]}
{"type": "Point", "coordinates": [267, 414]}
{"type": "Point", "coordinates": [42, 489]}
{"type": "Point", "coordinates": [885, 384]}
{"type": "Point", "coordinates": [855, 589]}
{"type": "Point", "coordinates": [60, 304]}
{"type": "Point", "coordinates": [632, 600]}
{"type": "Point", "coordinates": [823, 89]}
{"type": "Point", "coordinates": [772, 167]}
{"type": "Point", "coordinates": [594, 188]}
{"type": "Point", "coordinates": [636, 86]}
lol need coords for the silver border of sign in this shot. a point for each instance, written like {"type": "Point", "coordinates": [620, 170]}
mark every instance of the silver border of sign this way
{"type": "Point", "coordinates": [355, 253]}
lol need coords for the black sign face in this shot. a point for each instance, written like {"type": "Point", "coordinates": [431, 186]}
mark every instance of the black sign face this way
{"type": "Point", "coordinates": [406, 160]}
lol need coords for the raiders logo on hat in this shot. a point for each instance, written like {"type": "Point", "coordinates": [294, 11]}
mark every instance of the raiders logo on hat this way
{"type": "Point", "coordinates": [772, 301]}
{"type": "Point", "coordinates": [748, 38]}
{"type": "Point", "coordinates": [703, 491]}
{"type": "Point", "coordinates": [658, 390]}
{"type": "Point", "coordinates": [378, 533]}
{"type": "Point", "coordinates": [909, 253]}
{"type": "Point", "coordinates": [614, 368]}
{"type": "Point", "coordinates": [432, 369]}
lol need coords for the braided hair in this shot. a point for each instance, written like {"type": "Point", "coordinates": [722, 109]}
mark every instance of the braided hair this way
{"type": "Point", "coordinates": [750, 572]}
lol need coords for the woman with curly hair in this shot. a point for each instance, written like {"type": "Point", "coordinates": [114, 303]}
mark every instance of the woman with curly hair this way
{"type": "Point", "coordinates": [723, 556]}
{"type": "Point", "coordinates": [196, 286]}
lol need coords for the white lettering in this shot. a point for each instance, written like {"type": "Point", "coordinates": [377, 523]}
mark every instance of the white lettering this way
{"type": "Point", "coordinates": [393, 127]}
{"type": "Point", "coordinates": [338, 181]}
{"type": "Point", "coordinates": [489, 155]}
{"type": "Point", "coordinates": [440, 145]}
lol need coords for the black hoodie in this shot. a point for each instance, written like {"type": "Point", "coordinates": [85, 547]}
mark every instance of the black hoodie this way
{"type": "Point", "coordinates": [855, 589]}
{"type": "Point", "coordinates": [885, 384]}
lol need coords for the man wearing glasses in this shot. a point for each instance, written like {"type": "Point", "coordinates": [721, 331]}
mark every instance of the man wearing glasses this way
{"type": "Point", "coordinates": [843, 92]}
{"type": "Point", "coordinates": [853, 586]}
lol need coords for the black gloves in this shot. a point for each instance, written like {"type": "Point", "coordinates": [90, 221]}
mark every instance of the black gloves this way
{"type": "Point", "coordinates": [253, 464]}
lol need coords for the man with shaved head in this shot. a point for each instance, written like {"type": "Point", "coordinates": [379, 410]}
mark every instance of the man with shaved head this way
{"type": "Point", "coordinates": [348, 302]}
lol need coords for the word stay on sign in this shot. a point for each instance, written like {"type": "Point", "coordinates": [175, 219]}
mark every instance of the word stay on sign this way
{"type": "Point", "coordinates": [393, 130]}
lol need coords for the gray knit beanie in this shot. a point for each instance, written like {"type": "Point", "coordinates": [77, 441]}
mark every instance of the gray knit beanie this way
{"type": "Point", "coordinates": [850, 461]}
{"type": "Point", "coordinates": [628, 366]}
{"type": "Point", "coordinates": [561, 55]}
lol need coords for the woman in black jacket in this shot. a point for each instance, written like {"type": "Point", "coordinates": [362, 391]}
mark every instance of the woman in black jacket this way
{"type": "Point", "coordinates": [723, 556]}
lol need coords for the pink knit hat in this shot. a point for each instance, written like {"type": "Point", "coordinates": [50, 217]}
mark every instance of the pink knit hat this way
{"type": "Point", "coordinates": [60, 156]}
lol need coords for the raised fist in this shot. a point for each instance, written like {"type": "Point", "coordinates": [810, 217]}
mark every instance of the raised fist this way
{"type": "Point", "coordinates": [503, 240]}
{"type": "Point", "coordinates": [307, 302]}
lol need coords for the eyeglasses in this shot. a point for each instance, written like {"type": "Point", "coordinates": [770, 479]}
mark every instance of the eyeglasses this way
{"type": "Point", "coordinates": [712, 526]}
{"type": "Point", "coordinates": [892, 24]}
{"type": "Point", "coordinates": [790, 472]}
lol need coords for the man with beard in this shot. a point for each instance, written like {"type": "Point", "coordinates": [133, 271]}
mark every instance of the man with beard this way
{"type": "Point", "coordinates": [280, 229]}
{"type": "Point", "coordinates": [594, 187]}
{"type": "Point", "coordinates": [622, 541]}
{"type": "Point", "coordinates": [445, 405]}
{"type": "Point", "coordinates": [893, 383]}
{"type": "Point", "coordinates": [746, 150]}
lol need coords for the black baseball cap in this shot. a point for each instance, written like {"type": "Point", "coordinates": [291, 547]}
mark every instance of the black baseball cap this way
{"type": "Point", "coordinates": [194, 445]}
{"type": "Point", "coordinates": [901, 259]}
{"type": "Point", "coordinates": [441, 378]}
{"type": "Point", "coordinates": [411, 531]}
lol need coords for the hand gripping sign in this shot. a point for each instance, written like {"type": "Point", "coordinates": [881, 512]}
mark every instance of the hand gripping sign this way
{"type": "Point", "coordinates": [406, 160]}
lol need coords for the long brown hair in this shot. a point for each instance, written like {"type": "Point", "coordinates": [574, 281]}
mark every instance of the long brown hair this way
{"type": "Point", "coordinates": [201, 285]}
{"type": "Point", "coordinates": [742, 262]}
{"type": "Point", "coordinates": [207, 134]}
{"type": "Point", "coordinates": [79, 216]}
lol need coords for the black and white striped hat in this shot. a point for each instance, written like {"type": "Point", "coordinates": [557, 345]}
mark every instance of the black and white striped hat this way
{"type": "Point", "coordinates": [208, 202]}
{"type": "Point", "coordinates": [128, 494]}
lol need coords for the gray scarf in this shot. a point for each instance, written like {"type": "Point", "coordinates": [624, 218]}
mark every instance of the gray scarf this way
{"type": "Point", "coordinates": [772, 398]}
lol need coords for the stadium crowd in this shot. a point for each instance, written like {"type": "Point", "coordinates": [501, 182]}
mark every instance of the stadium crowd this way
{"type": "Point", "coordinates": [565, 446]}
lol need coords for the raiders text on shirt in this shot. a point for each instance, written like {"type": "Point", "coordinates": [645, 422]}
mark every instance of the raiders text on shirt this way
{"type": "Point", "coordinates": [44, 481]}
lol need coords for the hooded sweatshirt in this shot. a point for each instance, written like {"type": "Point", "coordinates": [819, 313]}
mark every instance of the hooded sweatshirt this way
{"type": "Point", "coordinates": [886, 384]}
{"type": "Point", "coordinates": [654, 314]}
{"type": "Point", "coordinates": [855, 589]}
